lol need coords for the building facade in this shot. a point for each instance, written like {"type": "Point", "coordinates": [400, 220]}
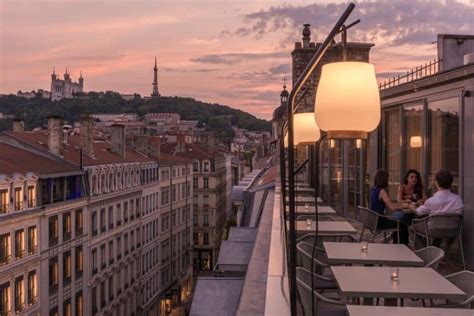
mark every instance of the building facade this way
{"type": "Point", "coordinates": [65, 88]}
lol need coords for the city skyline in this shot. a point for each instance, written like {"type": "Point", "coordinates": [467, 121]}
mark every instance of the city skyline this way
{"type": "Point", "coordinates": [234, 53]}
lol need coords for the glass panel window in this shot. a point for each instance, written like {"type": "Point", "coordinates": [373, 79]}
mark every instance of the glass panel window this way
{"type": "Point", "coordinates": [414, 140]}
{"type": "Point", "coordinates": [67, 308]}
{"type": "Point", "coordinates": [31, 196]}
{"type": "Point", "coordinates": [94, 223]}
{"type": "Point", "coordinates": [392, 149]}
{"type": "Point", "coordinates": [206, 239]}
{"type": "Point", "coordinates": [195, 219]}
{"type": "Point", "coordinates": [94, 261]}
{"type": "Point", "coordinates": [67, 268]}
{"type": "Point", "coordinates": [5, 298]}
{"type": "Point", "coordinates": [19, 294]}
{"type": "Point", "coordinates": [443, 135]}
{"type": "Point", "coordinates": [4, 249]}
{"type": "Point", "coordinates": [206, 183]}
{"type": "Point", "coordinates": [67, 226]}
{"type": "Point", "coordinates": [3, 201]}
{"type": "Point", "coordinates": [79, 304]}
{"type": "Point", "coordinates": [118, 211]}
{"type": "Point", "coordinates": [206, 220]}
{"type": "Point", "coordinates": [111, 217]}
{"type": "Point", "coordinates": [32, 287]}
{"type": "Point", "coordinates": [19, 244]}
{"type": "Point", "coordinates": [53, 274]}
{"type": "Point", "coordinates": [53, 230]}
{"type": "Point", "coordinates": [79, 261]}
{"type": "Point", "coordinates": [32, 240]}
{"type": "Point", "coordinates": [102, 220]}
{"type": "Point", "coordinates": [18, 198]}
{"type": "Point", "coordinates": [79, 222]}
{"type": "Point", "coordinates": [102, 257]}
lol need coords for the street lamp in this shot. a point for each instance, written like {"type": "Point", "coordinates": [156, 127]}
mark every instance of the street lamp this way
{"type": "Point", "coordinates": [347, 106]}
{"type": "Point", "coordinates": [347, 100]}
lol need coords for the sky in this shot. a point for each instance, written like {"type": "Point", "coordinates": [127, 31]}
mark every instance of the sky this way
{"type": "Point", "coordinates": [232, 52]}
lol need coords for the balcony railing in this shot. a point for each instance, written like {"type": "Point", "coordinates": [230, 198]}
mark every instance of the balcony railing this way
{"type": "Point", "coordinates": [53, 241]}
{"type": "Point", "coordinates": [31, 203]}
{"type": "Point", "coordinates": [32, 249]}
{"type": "Point", "coordinates": [19, 253]}
{"type": "Point", "coordinates": [18, 205]}
{"type": "Point", "coordinates": [419, 72]}
{"type": "Point", "coordinates": [3, 208]}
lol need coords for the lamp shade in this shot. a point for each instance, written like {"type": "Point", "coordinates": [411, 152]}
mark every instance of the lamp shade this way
{"type": "Point", "coordinates": [305, 129]}
{"type": "Point", "coordinates": [415, 142]}
{"type": "Point", "coordinates": [347, 100]}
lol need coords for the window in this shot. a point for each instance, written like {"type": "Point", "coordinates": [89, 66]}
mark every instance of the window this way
{"type": "Point", "coordinates": [125, 211]}
{"type": "Point", "coordinates": [102, 294]}
{"type": "Point", "coordinates": [103, 264]}
{"type": "Point", "coordinates": [392, 153]}
{"type": "Point", "coordinates": [125, 241]}
{"type": "Point", "coordinates": [195, 200]}
{"type": "Point", "coordinates": [3, 201]}
{"type": "Point", "coordinates": [206, 200]}
{"type": "Point", "coordinates": [79, 262]}
{"type": "Point", "coordinates": [173, 219]}
{"type": "Point", "coordinates": [79, 222]}
{"type": "Point", "coordinates": [196, 166]}
{"type": "Point", "coordinates": [413, 126]}
{"type": "Point", "coordinates": [19, 244]}
{"type": "Point", "coordinates": [206, 220]}
{"type": "Point", "coordinates": [67, 268]}
{"type": "Point", "coordinates": [119, 247]}
{"type": "Point", "coordinates": [53, 230]}
{"type": "Point", "coordinates": [94, 300]}
{"type": "Point", "coordinates": [443, 132]}
{"type": "Point", "coordinates": [137, 206]}
{"type": "Point", "coordinates": [94, 261]}
{"type": "Point", "coordinates": [5, 298]}
{"type": "Point", "coordinates": [195, 183]}
{"type": "Point", "coordinates": [173, 193]}
{"type": "Point", "coordinates": [206, 183]}
{"type": "Point", "coordinates": [94, 223]}
{"type": "Point", "coordinates": [32, 240]}
{"type": "Point", "coordinates": [32, 287]}
{"type": "Point", "coordinates": [196, 238]}
{"type": "Point", "coordinates": [102, 221]}
{"type": "Point", "coordinates": [53, 274]}
{"type": "Point", "coordinates": [111, 217]}
{"type": "Point", "coordinates": [54, 311]}
{"type": "Point", "coordinates": [118, 211]}
{"type": "Point", "coordinates": [4, 249]}
{"type": "Point", "coordinates": [111, 288]}
{"type": "Point", "coordinates": [67, 226]}
{"type": "Point", "coordinates": [19, 294]}
{"type": "Point", "coordinates": [111, 252]}
{"type": "Point", "coordinates": [183, 214]}
{"type": "Point", "coordinates": [31, 196]}
{"type": "Point", "coordinates": [67, 308]}
{"type": "Point", "coordinates": [195, 219]}
{"type": "Point", "coordinates": [206, 239]}
{"type": "Point", "coordinates": [205, 166]}
{"type": "Point", "coordinates": [79, 304]}
{"type": "Point", "coordinates": [18, 199]}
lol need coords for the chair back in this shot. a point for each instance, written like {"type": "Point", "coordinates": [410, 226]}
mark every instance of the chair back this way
{"type": "Point", "coordinates": [444, 226]}
{"type": "Point", "coordinates": [463, 280]}
{"type": "Point", "coordinates": [431, 256]}
{"type": "Point", "coordinates": [303, 276]}
{"type": "Point", "coordinates": [368, 218]}
{"type": "Point", "coordinates": [305, 254]}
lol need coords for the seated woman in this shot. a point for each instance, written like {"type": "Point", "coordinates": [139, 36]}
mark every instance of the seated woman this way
{"type": "Point", "coordinates": [379, 200]}
{"type": "Point", "coordinates": [411, 191]}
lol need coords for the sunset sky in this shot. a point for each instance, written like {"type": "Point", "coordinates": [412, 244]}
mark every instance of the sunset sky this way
{"type": "Point", "coordinates": [233, 52]}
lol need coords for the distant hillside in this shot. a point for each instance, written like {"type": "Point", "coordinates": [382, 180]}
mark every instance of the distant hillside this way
{"type": "Point", "coordinates": [218, 117]}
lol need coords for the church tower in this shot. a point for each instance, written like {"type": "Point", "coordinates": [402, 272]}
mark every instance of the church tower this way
{"type": "Point", "coordinates": [155, 92]}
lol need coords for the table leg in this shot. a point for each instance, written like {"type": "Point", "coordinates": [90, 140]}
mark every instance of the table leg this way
{"type": "Point", "coordinates": [390, 302]}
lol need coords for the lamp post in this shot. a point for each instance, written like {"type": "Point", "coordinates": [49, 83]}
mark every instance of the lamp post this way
{"type": "Point", "coordinates": [343, 83]}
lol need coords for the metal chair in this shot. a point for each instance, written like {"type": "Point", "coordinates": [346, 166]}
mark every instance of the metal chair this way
{"type": "Point", "coordinates": [447, 226]}
{"type": "Point", "coordinates": [305, 254]}
{"type": "Point", "coordinates": [370, 221]}
{"type": "Point", "coordinates": [465, 281]}
{"type": "Point", "coordinates": [431, 256]}
{"type": "Point", "coordinates": [321, 283]}
{"type": "Point", "coordinates": [331, 307]}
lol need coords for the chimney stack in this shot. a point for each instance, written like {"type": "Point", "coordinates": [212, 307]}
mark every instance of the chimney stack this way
{"type": "Point", "coordinates": [86, 137]}
{"type": "Point", "coordinates": [55, 135]}
{"type": "Point", "coordinates": [155, 146]}
{"type": "Point", "coordinates": [18, 125]}
{"type": "Point", "coordinates": [117, 139]}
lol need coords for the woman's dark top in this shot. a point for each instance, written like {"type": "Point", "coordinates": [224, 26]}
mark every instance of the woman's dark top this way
{"type": "Point", "coordinates": [376, 204]}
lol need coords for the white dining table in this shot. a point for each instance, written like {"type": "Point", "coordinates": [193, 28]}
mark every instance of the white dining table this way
{"type": "Point", "coordinates": [342, 253]}
{"type": "Point", "coordinates": [311, 210]}
{"type": "Point", "coordinates": [370, 282]}
{"type": "Point", "coordinates": [325, 228]}
{"type": "Point", "coordinates": [361, 310]}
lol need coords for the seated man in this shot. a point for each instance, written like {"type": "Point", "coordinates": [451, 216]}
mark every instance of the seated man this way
{"type": "Point", "coordinates": [443, 202]}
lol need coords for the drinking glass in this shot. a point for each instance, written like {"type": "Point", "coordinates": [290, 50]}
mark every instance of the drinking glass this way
{"type": "Point", "coordinates": [394, 274]}
{"type": "Point", "coordinates": [364, 246]}
{"type": "Point", "coordinates": [309, 222]}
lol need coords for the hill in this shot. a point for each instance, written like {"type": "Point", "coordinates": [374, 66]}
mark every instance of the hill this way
{"type": "Point", "coordinates": [218, 117]}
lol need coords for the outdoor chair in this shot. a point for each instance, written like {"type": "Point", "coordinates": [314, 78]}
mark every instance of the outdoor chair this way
{"type": "Point", "coordinates": [448, 226]}
{"type": "Point", "coordinates": [331, 307]}
{"type": "Point", "coordinates": [465, 281]}
{"type": "Point", "coordinates": [305, 254]}
{"type": "Point", "coordinates": [321, 283]}
{"type": "Point", "coordinates": [370, 220]}
{"type": "Point", "coordinates": [431, 256]}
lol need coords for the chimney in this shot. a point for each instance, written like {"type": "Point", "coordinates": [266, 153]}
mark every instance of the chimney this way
{"type": "Point", "coordinates": [55, 135]}
{"type": "Point", "coordinates": [18, 125]}
{"type": "Point", "coordinates": [86, 137]}
{"type": "Point", "coordinates": [117, 139]}
{"type": "Point", "coordinates": [180, 143]}
{"type": "Point", "coordinates": [155, 146]}
{"type": "Point", "coordinates": [66, 130]}
{"type": "Point", "coordinates": [141, 144]}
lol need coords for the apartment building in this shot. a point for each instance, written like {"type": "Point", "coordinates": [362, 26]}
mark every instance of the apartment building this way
{"type": "Point", "coordinates": [209, 198]}
{"type": "Point", "coordinates": [42, 202]}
